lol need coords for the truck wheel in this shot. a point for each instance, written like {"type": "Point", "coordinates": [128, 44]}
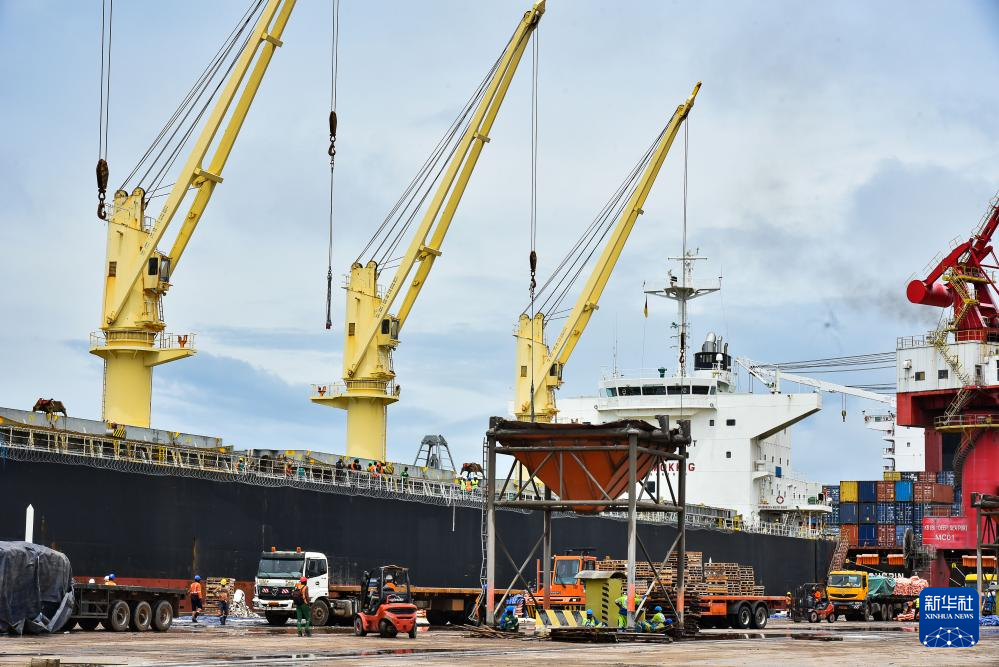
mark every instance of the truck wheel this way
{"type": "Point", "coordinates": [813, 617]}
{"type": "Point", "coordinates": [412, 633]}
{"type": "Point", "coordinates": [320, 613]}
{"type": "Point", "coordinates": [89, 624]}
{"type": "Point", "coordinates": [119, 616]}
{"type": "Point", "coordinates": [142, 615]}
{"type": "Point", "coordinates": [359, 627]}
{"type": "Point", "coordinates": [386, 629]}
{"type": "Point", "coordinates": [275, 618]}
{"type": "Point", "coordinates": [162, 616]}
{"type": "Point", "coordinates": [760, 616]}
{"type": "Point", "coordinates": [743, 617]}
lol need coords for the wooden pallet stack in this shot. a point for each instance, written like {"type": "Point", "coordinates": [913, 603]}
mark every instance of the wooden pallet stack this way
{"type": "Point", "coordinates": [731, 579]}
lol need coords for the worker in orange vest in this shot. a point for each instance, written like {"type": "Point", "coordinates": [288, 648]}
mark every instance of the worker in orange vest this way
{"type": "Point", "coordinates": [223, 601]}
{"type": "Point", "coordinates": [197, 598]}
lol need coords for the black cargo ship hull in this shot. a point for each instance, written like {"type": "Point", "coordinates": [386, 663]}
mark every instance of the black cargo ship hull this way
{"type": "Point", "coordinates": [171, 527]}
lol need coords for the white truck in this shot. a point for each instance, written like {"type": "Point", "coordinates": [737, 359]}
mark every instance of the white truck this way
{"type": "Point", "coordinates": [337, 603]}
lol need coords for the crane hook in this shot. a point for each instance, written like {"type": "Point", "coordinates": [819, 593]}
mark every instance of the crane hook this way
{"type": "Point", "coordinates": [102, 187]}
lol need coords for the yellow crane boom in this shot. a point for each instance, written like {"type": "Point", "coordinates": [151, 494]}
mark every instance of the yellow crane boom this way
{"type": "Point", "coordinates": [539, 368]}
{"type": "Point", "coordinates": [372, 332]}
{"type": "Point", "coordinates": [131, 340]}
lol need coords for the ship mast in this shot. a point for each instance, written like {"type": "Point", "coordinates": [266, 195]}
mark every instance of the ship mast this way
{"type": "Point", "coordinates": [683, 289]}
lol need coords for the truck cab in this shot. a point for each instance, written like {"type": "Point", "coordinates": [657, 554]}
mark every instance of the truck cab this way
{"type": "Point", "coordinates": [566, 589]}
{"type": "Point", "coordinates": [277, 574]}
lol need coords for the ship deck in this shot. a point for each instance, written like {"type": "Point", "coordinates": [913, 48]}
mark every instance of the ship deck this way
{"type": "Point", "coordinates": [250, 642]}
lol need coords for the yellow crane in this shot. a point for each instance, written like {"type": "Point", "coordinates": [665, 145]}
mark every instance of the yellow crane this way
{"type": "Point", "coordinates": [539, 368]}
{"type": "Point", "coordinates": [137, 275]}
{"type": "Point", "coordinates": [372, 332]}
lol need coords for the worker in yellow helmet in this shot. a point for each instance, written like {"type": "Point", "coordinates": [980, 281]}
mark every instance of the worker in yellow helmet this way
{"type": "Point", "coordinates": [223, 601]}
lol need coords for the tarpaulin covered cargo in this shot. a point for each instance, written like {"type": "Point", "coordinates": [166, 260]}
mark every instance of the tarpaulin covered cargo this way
{"type": "Point", "coordinates": [36, 588]}
{"type": "Point", "coordinates": [880, 586]}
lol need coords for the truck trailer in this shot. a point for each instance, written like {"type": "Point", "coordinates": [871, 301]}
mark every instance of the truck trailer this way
{"type": "Point", "coordinates": [337, 603]}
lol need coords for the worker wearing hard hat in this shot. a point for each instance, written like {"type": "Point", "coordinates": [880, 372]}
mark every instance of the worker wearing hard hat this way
{"type": "Point", "coordinates": [303, 607]}
{"type": "Point", "coordinates": [508, 621]}
{"type": "Point", "coordinates": [197, 598]}
{"type": "Point", "coordinates": [389, 584]}
{"type": "Point", "coordinates": [592, 621]}
{"type": "Point", "coordinates": [109, 580]}
{"type": "Point", "coordinates": [658, 621]}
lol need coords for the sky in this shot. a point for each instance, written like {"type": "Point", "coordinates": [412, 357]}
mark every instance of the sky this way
{"type": "Point", "coordinates": [834, 150]}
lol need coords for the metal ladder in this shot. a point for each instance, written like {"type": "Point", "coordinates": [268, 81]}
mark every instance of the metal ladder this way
{"type": "Point", "coordinates": [482, 535]}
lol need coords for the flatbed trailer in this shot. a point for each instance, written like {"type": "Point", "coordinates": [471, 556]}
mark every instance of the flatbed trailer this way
{"type": "Point", "coordinates": [442, 605]}
{"type": "Point", "coordinates": [121, 608]}
{"type": "Point", "coordinates": [739, 611]}
{"type": "Point", "coordinates": [879, 608]}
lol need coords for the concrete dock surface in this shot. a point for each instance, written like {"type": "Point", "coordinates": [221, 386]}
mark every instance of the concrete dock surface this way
{"type": "Point", "coordinates": [247, 642]}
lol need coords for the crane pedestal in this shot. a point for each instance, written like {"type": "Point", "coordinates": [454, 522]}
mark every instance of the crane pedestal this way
{"type": "Point", "coordinates": [365, 402]}
{"type": "Point", "coordinates": [129, 357]}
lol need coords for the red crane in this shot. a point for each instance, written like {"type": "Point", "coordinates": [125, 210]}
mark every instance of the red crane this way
{"type": "Point", "coordinates": [961, 280]}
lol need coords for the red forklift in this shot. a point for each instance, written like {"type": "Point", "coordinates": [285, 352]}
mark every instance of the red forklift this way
{"type": "Point", "coordinates": [811, 603]}
{"type": "Point", "coordinates": [386, 604]}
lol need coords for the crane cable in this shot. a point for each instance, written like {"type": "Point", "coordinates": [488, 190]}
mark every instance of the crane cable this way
{"type": "Point", "coordinates": [335, 38]}
{"type": "Point", "coordinates": [103, 172]}
{"type": "Point", "coordinates": [533, 258]}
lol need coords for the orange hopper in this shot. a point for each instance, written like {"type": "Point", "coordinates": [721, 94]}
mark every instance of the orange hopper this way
{"type": "Point", "coordinates": [581, 475]}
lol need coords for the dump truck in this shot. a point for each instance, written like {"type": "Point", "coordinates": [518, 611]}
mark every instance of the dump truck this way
{"type": "Point", "coordinates": [338, 603]}
{"type": "Point", "coordinates": [863, 596]}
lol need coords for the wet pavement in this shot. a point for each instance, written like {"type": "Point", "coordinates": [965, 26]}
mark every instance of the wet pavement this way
{"type": "Point", "coordinates": [252, 642]}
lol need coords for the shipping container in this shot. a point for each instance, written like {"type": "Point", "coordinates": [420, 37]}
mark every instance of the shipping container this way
{"type": "Point", "coordinates": [900, 534]}
{"type": "Point", "coordinates": [910, 476]}
{"type": "Point", "coordinates": [918, 512]}
{"type": "Point", "coordinates": [867, 535]}
{"type": "Point", "coordinates": [922, 492]}
{"type": "Point", "coordinates": [937, 510]}
{"type": "Point", "coordinates": [831, 492]}
{"type": "Point", "coordinates": [867, 492]}
{"type": "Point", "coordinates": [848, 492]}
{"type": "Point", "coordinates": [903, 513]}
{"type": "Point", "coordinates": [945, 477]}
{"type": "Point", "coordinates": [886, 512]}
{"type": "Point", "coordinates": [886, 535]}
{"type": "Point", "coordinates": [903, 491]}
{"type": "Point", "coordinates": [886, 492]}
{"type": "Point", "coordinates": [834, 516]}
{"type": "Point", "coordinates": [927, 477]}
{"type": "Point", "coordinates": [848, 513]}
{"type": "Point", "coordinates": [941, 493]}
{"type": "Point", "coordinates": [892, 476]}
{"type": "Point", "coordinates": [849, 532]}
{"type": "Point", "coordinates": [868, 513]}
{"type": "Point", "coordinates": [956, 509]}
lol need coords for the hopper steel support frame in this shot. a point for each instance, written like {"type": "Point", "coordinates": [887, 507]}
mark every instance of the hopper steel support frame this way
{"type": "Point", "coordinates": [986, 533]}
{"type": "Point", "coordinates": [639, 441]}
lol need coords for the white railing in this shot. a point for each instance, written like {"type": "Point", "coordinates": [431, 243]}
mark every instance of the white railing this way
{"type": "Point", "coordinates": [387, 387]}
{"type": "Point", "coordinates": [163, 341]}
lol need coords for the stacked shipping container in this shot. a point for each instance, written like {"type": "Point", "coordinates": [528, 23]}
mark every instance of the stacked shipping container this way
{"type": "Point", "coordinates": [878, 513]}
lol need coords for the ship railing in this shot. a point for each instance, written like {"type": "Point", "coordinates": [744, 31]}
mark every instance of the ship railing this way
{"type": "Point", "coordinates": [24, 442]}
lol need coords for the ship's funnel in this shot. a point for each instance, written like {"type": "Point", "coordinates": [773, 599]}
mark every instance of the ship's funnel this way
{"type": "Point", "coordinates": [558, 455]}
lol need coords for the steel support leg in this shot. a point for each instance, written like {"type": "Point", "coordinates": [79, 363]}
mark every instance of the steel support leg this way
{"type": "Point", "coordinates": [632, 527]}
{"type": "Point", "coordinates": [491, 535]}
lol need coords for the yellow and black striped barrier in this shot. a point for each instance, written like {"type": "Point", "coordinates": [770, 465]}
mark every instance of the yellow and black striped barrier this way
{"type": "Point", "coordinates": [560, 618]}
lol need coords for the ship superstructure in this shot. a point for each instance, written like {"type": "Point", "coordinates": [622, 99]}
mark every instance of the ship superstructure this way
{"type": "Point", "coordinates": [741, 458]}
